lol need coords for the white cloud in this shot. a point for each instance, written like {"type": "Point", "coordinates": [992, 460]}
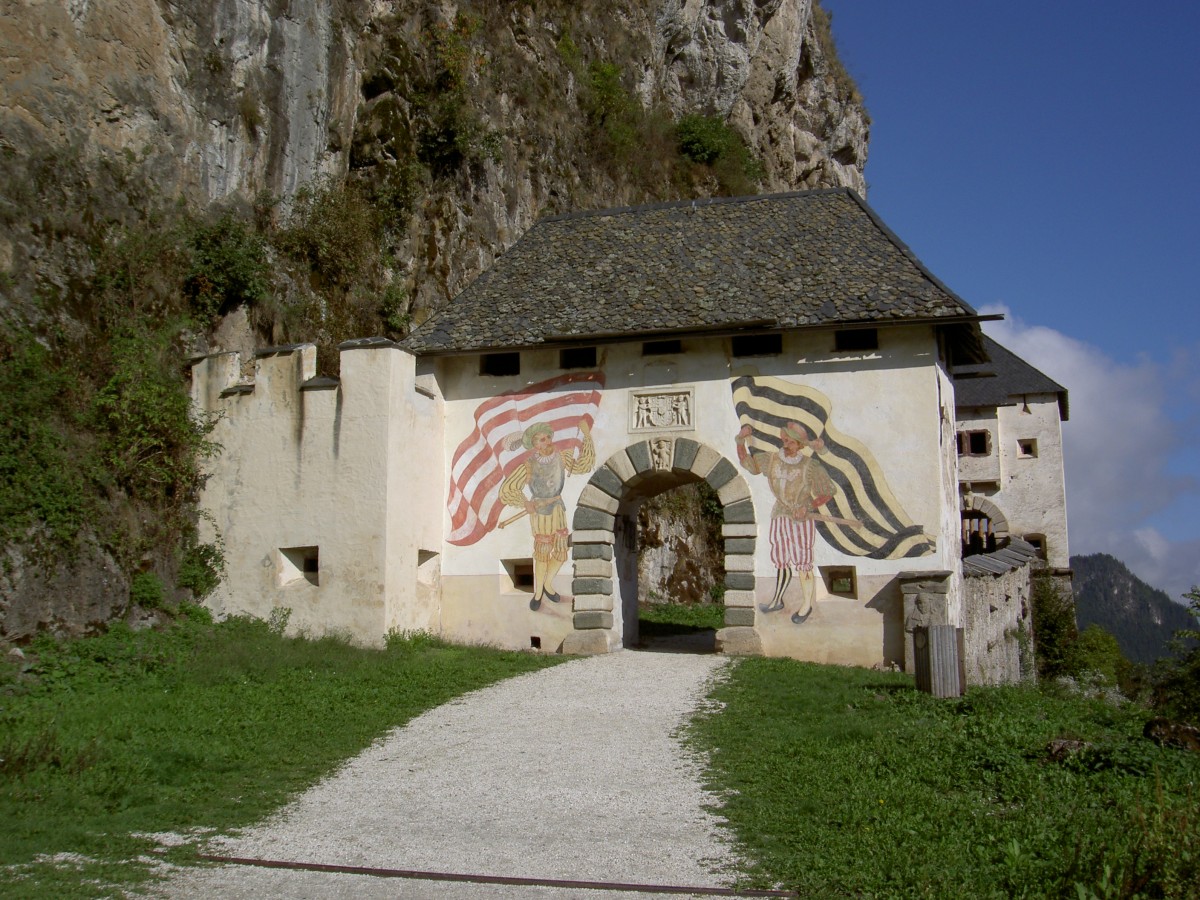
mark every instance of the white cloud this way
{"type": "Point", "coordinates": [1121, 444]}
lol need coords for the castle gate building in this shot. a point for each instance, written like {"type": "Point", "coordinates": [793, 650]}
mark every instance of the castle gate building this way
{"type": "Point", "coordinates": [480, 480]}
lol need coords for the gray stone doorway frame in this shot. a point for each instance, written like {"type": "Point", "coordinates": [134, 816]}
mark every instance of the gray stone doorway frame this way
{"type": "Point", "coordinates": [636, 470]}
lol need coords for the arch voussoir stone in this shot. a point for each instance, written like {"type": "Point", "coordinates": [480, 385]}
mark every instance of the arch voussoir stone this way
{"type": "Point", "coordinates": [685, 454]}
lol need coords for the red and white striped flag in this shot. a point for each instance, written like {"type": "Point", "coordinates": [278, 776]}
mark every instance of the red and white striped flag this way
{"type": "Point", "coordinates": [484, 459]}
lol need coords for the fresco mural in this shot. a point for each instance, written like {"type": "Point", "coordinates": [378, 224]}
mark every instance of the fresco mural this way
{"type": "Point", "coordinates": [824, 482]}
{"type": "Point", "coordinates": [523, 446]}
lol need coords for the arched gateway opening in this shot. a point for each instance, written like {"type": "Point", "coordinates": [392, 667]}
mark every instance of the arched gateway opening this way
{"type": "Point", "coordinates": [604, 541]}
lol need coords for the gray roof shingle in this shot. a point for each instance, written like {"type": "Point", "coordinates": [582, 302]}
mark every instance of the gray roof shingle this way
{"type": "Point", "coordinates": [1004, 377]}
{"type": "Point", "coordinates": [811, 258]}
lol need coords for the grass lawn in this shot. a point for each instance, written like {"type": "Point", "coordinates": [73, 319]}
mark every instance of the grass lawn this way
{"type": "Point", "coordinates": [663, 619]}
{"type": "Point", "coordinates": [844, 782]}
{"type": "Point", "coordinates": [199, 728]}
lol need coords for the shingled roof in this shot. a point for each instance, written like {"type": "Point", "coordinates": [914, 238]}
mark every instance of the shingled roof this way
{"type": "Point", "coordinates": [780, 261]}
{"type": "Point", "coordinates": [1002, 379]}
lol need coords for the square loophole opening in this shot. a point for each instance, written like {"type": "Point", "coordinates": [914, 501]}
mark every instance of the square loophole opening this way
{"type": "Point", "coordinates": [840, 581]}
{"type": "Point", "coordinates": [296, 563]}
{"type": "Point", "coordinates": [519, 574]}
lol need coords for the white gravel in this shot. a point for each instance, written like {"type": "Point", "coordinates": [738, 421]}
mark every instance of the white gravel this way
{"type": "Point", "coordinates": [573, 773]}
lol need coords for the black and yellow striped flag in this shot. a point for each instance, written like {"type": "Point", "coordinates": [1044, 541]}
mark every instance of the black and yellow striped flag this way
{"type": "Point", "coordinates": [884, 531]}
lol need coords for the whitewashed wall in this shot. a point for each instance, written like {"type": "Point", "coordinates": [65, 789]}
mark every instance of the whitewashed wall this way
{"type": "Point", "coordinates": [1031, 491]}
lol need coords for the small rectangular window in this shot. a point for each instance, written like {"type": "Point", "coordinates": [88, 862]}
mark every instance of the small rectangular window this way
{"type": "Point", "coordinates": [847, 339]}
{"type": "Point", "coordinates": [500, 364]}
{"type": "Point", "coordinates": [974, 443]}
{"type": "Point", "coordinates": [840, 580]}
{"type": "Point", "coordinates": [1027, 448]}
{"type": "Point", "coordinates": [577, 358]}
{"type": "Point", "coordinates": [757, 344]}
{"type": "Point", "coordinates": [661, 348]}
{"type": "Point", "coordinates": [1038, 542]}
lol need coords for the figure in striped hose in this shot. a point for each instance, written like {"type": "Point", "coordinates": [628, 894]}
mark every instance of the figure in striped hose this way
{"type": "Point", "coordinates": [543, 474]}
{"type": "Point", "coordinates": [800, 485]}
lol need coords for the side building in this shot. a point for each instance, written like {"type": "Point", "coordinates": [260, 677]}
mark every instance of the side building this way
{"type": "Point", "coordinates": [1010, 455]}
{"type": "Point", "coordinates": [1014, 508]}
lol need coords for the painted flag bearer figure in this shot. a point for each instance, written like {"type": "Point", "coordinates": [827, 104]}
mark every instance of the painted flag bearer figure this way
{"type": "Point", "coordinates": [800, 485]}
{"type": "Point", "coordinates": [544, 473]}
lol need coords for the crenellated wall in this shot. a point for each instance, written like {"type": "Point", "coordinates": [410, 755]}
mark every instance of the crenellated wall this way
{"type": "Point", "coordinates": [326, 492]}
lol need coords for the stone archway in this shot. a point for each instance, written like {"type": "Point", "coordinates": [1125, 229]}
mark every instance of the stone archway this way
{"type": "Point", "coordinates": [637, 469]}
{"type": "Point", "coordinates": [984, 506]}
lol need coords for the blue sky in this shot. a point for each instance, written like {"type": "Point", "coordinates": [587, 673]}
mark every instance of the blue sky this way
{"type": "Point", "coordinates": [1041, 159]}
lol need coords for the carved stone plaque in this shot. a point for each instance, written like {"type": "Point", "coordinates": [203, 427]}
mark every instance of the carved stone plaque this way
{"type": "Point", "coordinates": [667, 410]}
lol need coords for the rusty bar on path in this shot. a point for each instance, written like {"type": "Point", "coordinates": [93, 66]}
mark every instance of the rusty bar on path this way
{"type": "Point", "coordinates": [496, 879]}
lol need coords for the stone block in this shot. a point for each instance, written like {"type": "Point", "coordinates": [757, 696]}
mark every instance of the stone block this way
{"type": "Point", "coordinates": [592, 536]}
{"type": "Point", "coordinates": [739, 563]}
{"type": "Point", "coordinates": [639, 455]}
{"type": "Point", "coordinates": [739, 615]}
{"type": "Point", "coordinates": [595, 498]}
{"type": "Point", "coordinates": [739, 598]}
{"type": "Point", "coordinates": [593, 568]}
{"type": "Point", "coordinates": [621, 466]}
{"type": "Point", "coordinates": [592, 586]}
{"type": "Point", "coordinates": [739, 640]}
{"type": "Point", "coordinates": [933, 587]}
{"type": "Point", "coordinates": [739, 545]}
{"type": "Point", "coordinates": [739, 529]}
{"type": "Point", "coordinates": [593, 619]}
{"type": "Point", "coordinates": [706, 458]}
{"type": "Point", "coordinates": [740, 513]}
{"type": "Point", "coordinates": [685, 453]}
{"type": "Point", "coordinates": [739, 581]}
{"type": "Point", "coordinates": [592, 551]}
{"type": "Point", "coordinates": [593, 603]}
{"type": "Point", "coordinates": [721, 474]}
{"type": "Point", "coordinates": [585, 643]}
{"type": "Point", "coordinates": [734, 490]}
{"type": "Point", "coordinates": [608, 481]}
{"type": "Point", "coordinates": [587, 518]}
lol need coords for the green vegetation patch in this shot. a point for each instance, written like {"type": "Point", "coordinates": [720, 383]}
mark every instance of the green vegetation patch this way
{"type": "Point", "coordinates": [661, 619]}
{"type": "Point", "coordinates": [197, 728]}
{"type": "Point", "coordinates": [846, 782]}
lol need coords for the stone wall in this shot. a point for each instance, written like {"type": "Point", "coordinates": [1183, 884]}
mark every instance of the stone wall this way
{"type": "Point", "coordinates": [999, 615]}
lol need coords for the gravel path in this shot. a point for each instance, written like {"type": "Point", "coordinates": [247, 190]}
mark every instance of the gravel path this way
{"type": "Point", "coordinates": [571, 773]}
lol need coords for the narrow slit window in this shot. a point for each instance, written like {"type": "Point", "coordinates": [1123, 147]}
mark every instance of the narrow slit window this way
{"type": "Point", "coordinates": [500, 364]}
{"type": "Point", "coordinates": [577, 358]}
{"type": "Point", "coordinates": [1038, 542]}
{"type": "Point", "coordinates": [661, 348]}
{"type": "Point", "coordinates": [856, 339]}
{"type": "Point", "coordinates": [757, 344]}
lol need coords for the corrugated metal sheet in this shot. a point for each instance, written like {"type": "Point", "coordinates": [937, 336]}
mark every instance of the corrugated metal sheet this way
{"type": "Point", "coordinates": [940, 663]}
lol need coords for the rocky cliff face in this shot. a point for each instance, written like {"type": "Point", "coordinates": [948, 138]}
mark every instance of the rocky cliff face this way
{"type": "Point", "coordinates": [214, 101]}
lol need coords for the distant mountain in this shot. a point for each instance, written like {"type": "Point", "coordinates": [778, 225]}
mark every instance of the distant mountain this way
{"type": "Point", "coordinates": [1143, 619]}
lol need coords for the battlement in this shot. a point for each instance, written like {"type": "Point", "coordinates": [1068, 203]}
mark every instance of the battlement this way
{"type": "Point", "coordinates": [325, 490]}
{"type": "Point", "coordinates": [283, 373]}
